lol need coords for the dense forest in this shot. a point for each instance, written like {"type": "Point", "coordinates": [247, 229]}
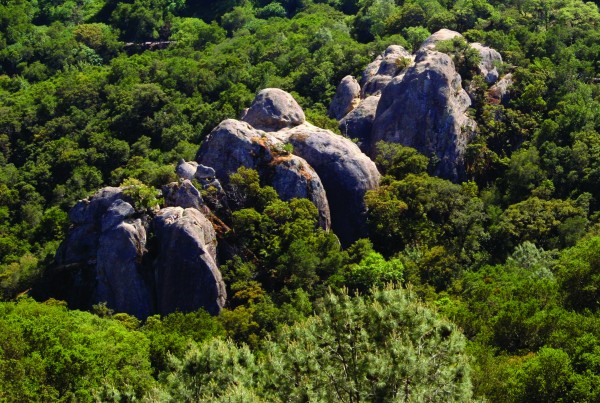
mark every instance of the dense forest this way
{"type": "Point", "coordinates": [484, 289]}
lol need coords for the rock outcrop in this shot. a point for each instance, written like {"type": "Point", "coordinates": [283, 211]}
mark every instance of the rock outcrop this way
{"type": "Point", "coordinates": [490, 58]}
{"type": "Point", "coordinates": [192, 170]}
{"type": "Point", "coordinates": [426, 109]}
{"type": "Point", "coordinates": [499, 93]}
{"type": "Point", "coordinates": [379, 73]}
{"type": "Point", "coordinates": [358, 123]}
{"type": "Point", "coordinates": [418, 101]}
{"type": "Point", "coordinates": [187, 276]}
{"type": "Point", "coordinates": [233, 144]}
{"type": "Point", "coordinates": [121, 282]}
{"type": "Point", "coordinates": [441, 35]}
{"type": "Point", "coordinates": [346, 174]}
{"type": "Point", "coordinates": [182, 194]}
{"type": "Point", "coordinates": [298, 160]}
{"type": "Point", "coordinates": [346, 98]}
{"type": "Point", "coordinates": [106, 256]}
{"type": "Point", "coordinates": [274, 109]}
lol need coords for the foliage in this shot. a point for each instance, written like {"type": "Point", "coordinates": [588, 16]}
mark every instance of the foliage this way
{"type": "Point", "coordinates": [50, 353]}
{"type": "Point", "coordinates": [143, 196]}
{"type": "Point", "coordinates": [510, 256]}
{"type": "Point", "coordinates": [383, 347]}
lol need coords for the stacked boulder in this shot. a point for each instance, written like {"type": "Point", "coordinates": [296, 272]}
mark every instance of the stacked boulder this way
{"type": "Point", "coordinates": [298, 159]}
{"type": "Point", "coordinates": [140, 262]}
{"type": "Point", "coordinates": [417, 101]}
{"type": "Point", "coordinates": [143, 261]}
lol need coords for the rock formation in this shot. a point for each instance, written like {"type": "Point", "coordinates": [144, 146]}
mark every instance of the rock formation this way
{"type": "Point", "coordinates": [107, 257]}
{"type": "Point", "coordinates": [441, 35]}
{"type": "Point", "coordinates": [346, 98]}
{"type": "Point", "coordinates": [298, 160]}
{"type": "Point", "coordinates": [274, 109]}
{"type": "Point", "coordinates": [379, 73]}
{"type": "Point", "coordinates": [418, 101]}
{"type": "Point", "coordinates": [187, 276]}
{"type": "Point", "coordinates": [182, 194]}
{"type": "Point", "coordinates": [490, 58]}
{"type": "Point", "coordinates": [346, 174]}
{"type": "Point", "coordinates": [358, 123]}
{"type": "Point", "coordinates": [426, 109]}
{"type": "Point", "coordinates": [499, 93]}
{"type": "Point", "coordinates": [233, 144]}
{"type": "Point", "coordinates": [120, 279]}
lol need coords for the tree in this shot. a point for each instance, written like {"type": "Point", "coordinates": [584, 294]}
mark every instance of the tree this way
{"type": "Point", "coordinates": [380, 348]}
{"type": "Point", "coordinates": [398, 161]}
{"type": "Point", "coordinates": [51, 353]}
{"type": "Point", "coordinates": [579, 276]}
{"type": "Point", "coordinates": [551, 223]}
{"type": "Point", "coordinates": [214, 371]}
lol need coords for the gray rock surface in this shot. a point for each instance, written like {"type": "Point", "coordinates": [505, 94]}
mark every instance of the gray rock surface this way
{"type": "Point", "coordinates": [109, 243]}
{"type": "Point", "coordinates": [119, 275]}
{"type": "Point", "coordinates": [346, 174]}
{"type": "Point", "coordinates": [104, 257]}
{"type": "Point", "coordinates": [192, 170]}
{"type": "Point", "coordinates": [441, 35]}
{"type": "Point", "coordinates": [358, 123]}
{"type": "Point", "coordinates": [295, 178]}
{"type": "Point", "coordinates": [379, 73]}
{"type": "Point", "coordinates": [489, 60]}
{"type": "Point", "coordinates": [187, 276]}
{"type": "Point", "coordinates": [500, 92]}
{"type": "Point", "coordinates": [116, 214]}
{"type": "Point", "coordinates": [186, 170]}
{"type": "Point", "coordinates": [204, 172]}
{"type": "Point", "coordinates": [182, 194]}
{"type": "Point", "coordinates": [426, 109]}
{"type": "Point", "coordinates": [328, 169]}
{"type": "Point", "coordinates": [233, 144]}
{"type": "Point", "coordinates": [91, 209]}
{"type": "Point", "coordinates": [419, 101]}
{"type": "Point", "coordinates": [346, 98]}
{"type": "Point", "coordinates": [274, 109]}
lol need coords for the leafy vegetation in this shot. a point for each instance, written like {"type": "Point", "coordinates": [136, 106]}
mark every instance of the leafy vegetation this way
{"type": "Point", "coordinates": [103, 92]}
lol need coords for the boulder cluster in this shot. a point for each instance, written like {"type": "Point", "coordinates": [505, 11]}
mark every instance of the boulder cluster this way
{"type": "Point", "coordinates": [417, 101]}
{"type": "Point", "coordinates": [144, 261]}
{"type": "Point", "coordinates": [296, 158]}
{"type": "Point", "coordinates": [138, 261]}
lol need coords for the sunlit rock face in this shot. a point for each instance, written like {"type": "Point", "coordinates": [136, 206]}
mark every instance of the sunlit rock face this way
{"type": "Point", "coordinates": [299, 160]}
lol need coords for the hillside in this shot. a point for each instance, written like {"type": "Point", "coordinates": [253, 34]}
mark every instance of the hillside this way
{"type": "Point", "coordinates": [355, 200]}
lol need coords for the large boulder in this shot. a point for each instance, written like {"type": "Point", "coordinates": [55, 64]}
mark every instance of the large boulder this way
{"type": "Point", "coordinates": [328, 169]}
{"type": "Point", "coordinates": [425, 108]}
{"type": "Point", "coordinates": [499, 93]}
{"type": "Point", "coordinates": [233, 144]}
{"type": "Point", "coordinates": [345, 171]}
{"type": "Point", "coordinates": [274, 109]}
{"type": "Point", "coordinates": [182, 194]}
{"type": "Point", "coordinates": [102, 255]}
{"type": "Point", "coordinates": [192, 170]}
{"type": "Point", "coordinates": [187, 275]}
{"type": "Point", "coordinates": [121, 281]}
{"type": "Point", "coordinates": [419, 101]}
{"type": "Point", "coordinates": [358, 123]}
{"type": "Point", "coordinates": [379, 73]}
{"type": "Point", "coordinates": [439, 36]}
{"type": "Point", "coordinates": [490, 58]}
{"type": "Point", "coordinates": [106, 256]}
{"type": "Point", "coordinates": [346, 98]}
